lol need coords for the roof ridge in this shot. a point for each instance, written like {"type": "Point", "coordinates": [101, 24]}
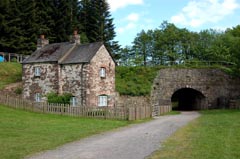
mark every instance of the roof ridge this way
{"type": "Point", "coordinates": [66, 54]}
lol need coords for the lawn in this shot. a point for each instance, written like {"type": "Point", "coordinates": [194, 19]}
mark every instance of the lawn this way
{"type": "Point", "coordinates": [24, 133]}
{"type": "Point", "coordinates": [215, 135]}
{"type": "Point", "coordinates": [10, 72]}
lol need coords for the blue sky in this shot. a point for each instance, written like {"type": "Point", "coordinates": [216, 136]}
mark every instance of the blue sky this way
{"type": "Point", "coordinates": [132, 16]}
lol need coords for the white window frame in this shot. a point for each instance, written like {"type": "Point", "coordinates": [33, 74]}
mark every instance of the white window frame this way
{"type": "Point", "coordinates": [37, 71]}
{"type": "Point", "coordinates": [103, 101]}
{"type": "Point", "coordinates": [73, 101]}
{"type": "Point", "coordinates": [38, 97]}
{"type": "Point", "coordinates": [102, 72]}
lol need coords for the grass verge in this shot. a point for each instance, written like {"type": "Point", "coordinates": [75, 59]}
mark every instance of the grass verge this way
{"type": "Point", "coordinates": [24, 133]}
{"type": "Point", "coordinates": [10, 72]}
{"type": "Point", "coordinates": [173, 112]}
{"type": "Point", "coordinates": [215, 135]}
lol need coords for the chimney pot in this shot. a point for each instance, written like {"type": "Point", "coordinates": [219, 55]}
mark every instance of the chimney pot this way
{"type": "Point", "coordinates": [41, 42]}
{"type": "Point", "coordinates": [42, 36]}
{"type": "Point", "coordinates": [75, 32]}
{"type": "Point", "coordinates": [75, 38]}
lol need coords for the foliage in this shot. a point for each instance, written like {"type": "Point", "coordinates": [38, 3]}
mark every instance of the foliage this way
{"type": "Point", "coordinates": [170, 45]}
{"type": "Point", "coordinates": [98, 23]}
{"type": "Point", "coordinates": [18, 90]}
{"type": "Point", "coordinates": [10, 72]}
{"type": "Point", "coordinates": [22, 21]}
{"type": "Point", "coordinates": [24, 133]}
{"type": "Point", "coordinates": [214, 135]}
{"type": "Point", "coordinates": [135, 81]}
{"type": "Point", "coordinates": [61, 99]}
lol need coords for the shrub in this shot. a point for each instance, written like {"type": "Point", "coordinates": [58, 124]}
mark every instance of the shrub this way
{"type": "Point", "coordinates": [18, 90]}
{"type": "Point", "coordinates": [61, 99]}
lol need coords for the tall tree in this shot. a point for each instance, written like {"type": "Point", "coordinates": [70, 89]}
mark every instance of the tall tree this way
{"type": "Point", "coordinates": [98, 23]}
{"type": "Point", "coordinates": [142, 46]}
{"type": "Point", "coordinates": [233, 42]}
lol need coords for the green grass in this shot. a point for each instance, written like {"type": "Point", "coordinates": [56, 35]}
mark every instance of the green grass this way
{"type": "Point", "coordinates": [135, 81]}
{"type": "Point", "coordinates": [173, 112]}
{"type": "Point", "coordinates": [215, 135]}
{"type": "Point", "coordinates": [24, 133]}
{"type": "Point", "coordinates": [10, 72]}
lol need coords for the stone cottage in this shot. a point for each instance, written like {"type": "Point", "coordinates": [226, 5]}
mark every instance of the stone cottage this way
{"type": "Point", "coordinates": [87, 71]}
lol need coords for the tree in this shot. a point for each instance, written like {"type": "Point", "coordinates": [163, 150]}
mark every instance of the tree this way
{"type": "Point", "coordinates": [98, 24]}
{"type": "Point", "coordinates": [142, 46]}
{"type": "Point", "coordinates": [233, 42]}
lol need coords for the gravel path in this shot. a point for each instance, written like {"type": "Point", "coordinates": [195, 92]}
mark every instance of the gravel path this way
{"type": "Point", "coordinates": [131, 142]}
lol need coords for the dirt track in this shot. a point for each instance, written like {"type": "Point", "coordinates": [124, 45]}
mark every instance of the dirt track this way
{"type": "Point", "coordinates": [132, 142]}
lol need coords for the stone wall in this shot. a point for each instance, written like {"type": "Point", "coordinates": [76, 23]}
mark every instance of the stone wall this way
{"type": "Point", "coordinates": [47, 81]}
{"type": "Point", "coordinates": [216, 86]}
{"type": "Point", "coordinates": [132, 101]}
{"type": "Point", "coordinates": [81, 80]}
{"type": "Point", "coordinates": [73, 80]}
{"type": "Point", "coordinates": [97, 85]}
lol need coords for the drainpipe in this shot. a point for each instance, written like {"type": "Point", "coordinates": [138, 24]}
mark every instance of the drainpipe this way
{"type": "Point", "coordinates": [82, 84]}
{"type": "Point", "coordinates": [60, 84]}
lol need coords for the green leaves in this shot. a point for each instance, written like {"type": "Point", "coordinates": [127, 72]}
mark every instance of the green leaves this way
{"type": "Point", "coordinates": [60, 99]}
{"type": "Point", "coordinates": [23, 21]}
{"type": "Point", "coordinates": [98, 24]}
{"type": "Point", "coordinates": [170, 45]}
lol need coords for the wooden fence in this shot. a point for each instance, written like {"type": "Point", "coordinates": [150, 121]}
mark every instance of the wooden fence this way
{"type": "Point", "coordinates": [160, 110]}
{"type": "Point", "coordinates": [119, 113]}
{"type": "Point", "coordinates": [10, 57]}
{"type": "Point", "coordinates": [234, 104]}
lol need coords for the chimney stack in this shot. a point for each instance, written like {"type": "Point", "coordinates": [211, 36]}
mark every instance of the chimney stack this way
{"type": "Point", "coordinates": [41, 42]}
{"type": "Point", "coordinates": [75, 38]}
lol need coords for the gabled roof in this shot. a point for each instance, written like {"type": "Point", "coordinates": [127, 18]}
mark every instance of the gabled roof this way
{"type": "Point", "coordinates": [82, 53]}
{"type": "Point", "coordinates": [64, 53]}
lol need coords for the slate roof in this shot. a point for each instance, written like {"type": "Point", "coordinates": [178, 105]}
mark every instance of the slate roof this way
{"type": "Point", "coordinates": [82, 53]}
{"type": "Point", "coordinates": [67, 52]}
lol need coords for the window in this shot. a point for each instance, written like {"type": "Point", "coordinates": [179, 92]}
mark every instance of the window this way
{"type": "Point", "coordinates": [37, 71]}
{"type": "Point", "coordinates": [102, 100]}
{"type": "Point", "coordinates": [103, 72]}
{"type": "Point", "coordinates": [73, 101]}
{"type": "Point", "coordinates": [38, 97]}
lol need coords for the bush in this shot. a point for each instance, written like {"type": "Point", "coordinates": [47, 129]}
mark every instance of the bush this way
{"type": "Point", "coordinates": [61, 99]}
{"type": "Point", "coordinates": [18, 90]}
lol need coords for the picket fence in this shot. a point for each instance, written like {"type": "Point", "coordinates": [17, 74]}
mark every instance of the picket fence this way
{"type": "Point", "coordinates": [119, 113]}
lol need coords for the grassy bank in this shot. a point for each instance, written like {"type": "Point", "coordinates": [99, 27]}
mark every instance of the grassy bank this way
{"type": "Point", "coordinates": [23, 133]}
{"type": "Point", "coordinates": [215, 135]}
{"type": "Point", "coordinates": [10, 72]}
{"type": "Point", "coordinates": [135, 81]}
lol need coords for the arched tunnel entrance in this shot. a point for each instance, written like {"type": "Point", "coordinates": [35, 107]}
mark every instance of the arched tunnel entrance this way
{"type": "Point", "coordinates": [187, 99]}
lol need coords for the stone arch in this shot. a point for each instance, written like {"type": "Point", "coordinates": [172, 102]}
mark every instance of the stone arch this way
{"type": "Point", "coordinates": [188, 99]}
{"type": "Point", "coordinates": [212, 88]}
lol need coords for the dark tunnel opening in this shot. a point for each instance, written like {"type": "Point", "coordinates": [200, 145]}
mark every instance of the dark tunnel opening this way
{"type": "Point", "coordinates": [187, 99]}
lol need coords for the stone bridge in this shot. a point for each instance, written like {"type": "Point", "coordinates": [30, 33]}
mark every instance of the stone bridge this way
{"type": "Point", "coordinates": [194, 89]}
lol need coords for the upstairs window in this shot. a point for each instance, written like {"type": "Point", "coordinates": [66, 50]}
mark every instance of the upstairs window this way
{"type": "Point", "coordinates": [103, 72]}
{"type": "Point", "coordinates": [73, 101]}
{"type": "Point", "coordinates": [37, 97]}
{"type": "Point", "coordinates": [102, 100]}
{"type": "Point", "coordinates": [37, 71]}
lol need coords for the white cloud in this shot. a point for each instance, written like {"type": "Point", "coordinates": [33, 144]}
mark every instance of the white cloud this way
{"type": "Point", "coordinates": [130, 22]}
{"type": "Point", "coordinates": [116, 4]}
{"type": "Point", "coordinates": [197, 13]}
{"type": "Point", "coordinates": [133, 17]}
